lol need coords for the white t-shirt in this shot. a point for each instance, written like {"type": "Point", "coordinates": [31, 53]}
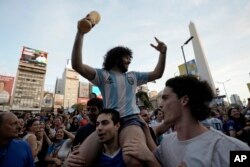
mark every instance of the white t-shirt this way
{"type": "Point", "coordinates": [65, 149]}
{"type": "Point", "coordinates": [211, 148]}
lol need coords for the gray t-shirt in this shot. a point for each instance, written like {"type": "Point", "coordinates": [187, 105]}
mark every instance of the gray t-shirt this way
{"type": "Point", "coordinates": [211, 148]}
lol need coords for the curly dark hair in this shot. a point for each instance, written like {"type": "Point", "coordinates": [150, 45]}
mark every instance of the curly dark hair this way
{"type": "Point", "coordinates": [114, 56]}
{"type": "Point", "coordinates": [199, 93]}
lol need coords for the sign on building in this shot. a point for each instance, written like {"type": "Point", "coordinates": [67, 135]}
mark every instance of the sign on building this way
{"type": "Point", "coordinates": [6, 86]}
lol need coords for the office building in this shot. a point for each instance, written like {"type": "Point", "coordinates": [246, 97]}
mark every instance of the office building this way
{"type": "Point", "coordinates": [70, 87]}
{"type": "Point", "coordinates": [30, 78]}
{"type": "Point", "coordinates": [235, 99]}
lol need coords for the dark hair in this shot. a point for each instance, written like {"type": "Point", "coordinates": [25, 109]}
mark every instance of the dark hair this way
{"type": "Point", "coordinates": [156, 111]}
{"type": "Point", "coordinates": [94, 95]}
{"type": "Point", "coordinates": [96, 102]}
{"type": "Point", "coordinates": [30, 122]}
{"type": "Point", "coordinates": [114, 56]}
{"type": "Point", "coordinates": [241, 119]}
{"type": "Point", "coordinates": [199, 93]}
{"type": "Point", "coordinates": [115, 116]}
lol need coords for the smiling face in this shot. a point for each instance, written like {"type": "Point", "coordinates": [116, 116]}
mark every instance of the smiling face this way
{"type": "Point", "coordinates": [35, 127]}
{"type": "Point", "coordinates": [59, 134]}
{"type": "Point", "coordinates": [235, 113]}
{"type": "Point", "coordinates": [170, 106]}
{"type": "Point", "coordinates": [105, 128]}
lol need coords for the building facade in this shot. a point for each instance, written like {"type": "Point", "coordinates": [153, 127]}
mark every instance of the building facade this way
{"type": "Point", "coordinates": [30, 78]}
{"type": "Point", "coordinates": [70, 87]}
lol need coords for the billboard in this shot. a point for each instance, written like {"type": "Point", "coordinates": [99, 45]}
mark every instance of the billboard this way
{"type": "Point", "coordinates": [6, 86]}
{"type": "Point", "coordinates": [58, 100]}
{"type": "Point", "coordinates": [47, 100]}
{"type": "Point", "coordinates": [191, 66]}
{"type": "Point", "coordinates": [34, 56]}
{"type": "Point", "coordinates": [84, 90]}
{"type": "Point", "coordinates": [97, 91]}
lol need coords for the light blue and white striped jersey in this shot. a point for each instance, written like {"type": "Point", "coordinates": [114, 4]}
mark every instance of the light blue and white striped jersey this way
{"type": "Point", "coordinates": [119, 89]}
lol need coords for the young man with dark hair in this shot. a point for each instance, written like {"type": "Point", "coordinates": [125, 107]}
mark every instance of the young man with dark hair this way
{"type": "Point", "coordinates": [94, 106]}
{"type": "Point", "coordinates": [185, 102]}
{"type": "Point", "coordinates": [118, 88]}
{"type": "Point", "coordinates": [107, 127]}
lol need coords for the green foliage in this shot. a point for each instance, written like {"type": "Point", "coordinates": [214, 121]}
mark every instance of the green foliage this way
{"type": "Point", "coordinates": [143, 96]}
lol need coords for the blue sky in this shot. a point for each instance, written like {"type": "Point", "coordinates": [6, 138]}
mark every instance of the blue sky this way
{"type": "Point", "coordinates": [223, 27]}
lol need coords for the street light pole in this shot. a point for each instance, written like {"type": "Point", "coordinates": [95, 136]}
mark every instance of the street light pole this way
{"type": "Point", "coordinates": [184, 59]}
{"type": "Point", "coordinates": [223, 83]}
{"type": "Point", "coordinates": [184, 53]}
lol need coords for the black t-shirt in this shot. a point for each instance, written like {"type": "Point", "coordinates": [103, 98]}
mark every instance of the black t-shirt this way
{"type": "Point", "coordinates": [83, 133]}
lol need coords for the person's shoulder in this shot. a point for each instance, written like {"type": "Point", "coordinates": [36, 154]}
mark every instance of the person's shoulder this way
{"type": "Point", "coordinates": [171, 137]}
{"type": "Point", "coordinates": [227, 142]}
{"type": "Point", "coordinates": [18, 142]}
{"type": "Point", "coordinates": [29, 136]}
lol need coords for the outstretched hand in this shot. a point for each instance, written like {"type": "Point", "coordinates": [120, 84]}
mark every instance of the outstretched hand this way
{"type": "Point", "coordinates": [161, 47]}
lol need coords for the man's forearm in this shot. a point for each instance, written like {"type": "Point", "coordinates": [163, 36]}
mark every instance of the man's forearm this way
{"type": "Point", "coordinates": [76, 58]}
{"type": "Point", "coordinates": [161, 64]}
{"type": "Point", "coordinates": [159, 68]}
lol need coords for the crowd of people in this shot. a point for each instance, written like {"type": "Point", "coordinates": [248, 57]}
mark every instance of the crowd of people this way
{"type": "Point", "coordinates": [48, 139]}
{"type": "Point", "coordinates": [185, 130]}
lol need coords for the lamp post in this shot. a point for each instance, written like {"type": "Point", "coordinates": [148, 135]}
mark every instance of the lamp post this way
{"type": "Point", "coordinates": [184, 53]}
{"type": "Point", "coordinates": [223, 83]}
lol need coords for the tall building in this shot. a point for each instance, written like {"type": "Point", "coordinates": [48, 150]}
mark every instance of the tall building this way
{"type": "Point", "coordinates": [70, 87]}
{"type": "Point", "coordinates": [201, 61]}
{"type": "Point", "coordinates": [235, 99]}
{"type": "Point", "coordinates": [30, 78]}
{"type": "Point", "coordinates": [59, 86]}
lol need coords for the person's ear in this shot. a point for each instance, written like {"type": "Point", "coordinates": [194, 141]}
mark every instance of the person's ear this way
{"type": "Point", "coordinates": [117, 126]}
{"type": "Point", "coordinates": [184, 100]}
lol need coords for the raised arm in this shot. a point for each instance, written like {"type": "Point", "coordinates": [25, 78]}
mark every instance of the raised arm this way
{"type": "Point", "coordinates": [159, 69]}
{"type": "Point", "coordinates": [76, 59]}
{"type": "Point", "coordinates": [161, 128]}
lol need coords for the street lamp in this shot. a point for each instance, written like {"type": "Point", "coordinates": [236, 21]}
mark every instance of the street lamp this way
{"type": "Point", "coordinates": [223, 83]}
{"type": "Point", "coordinates": [184, 54]}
